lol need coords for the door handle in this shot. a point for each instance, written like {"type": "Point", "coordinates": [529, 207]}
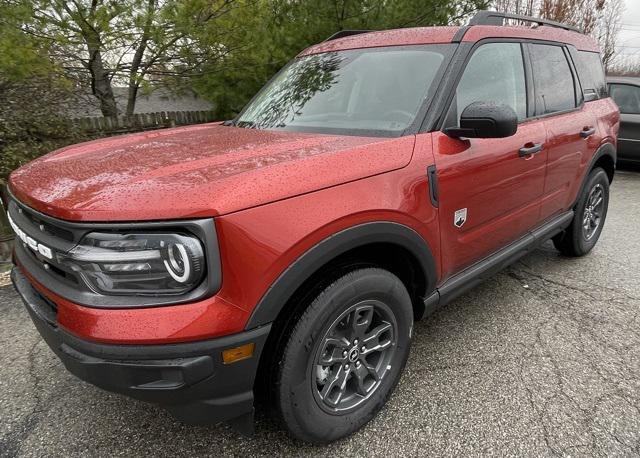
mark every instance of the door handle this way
{"type": "Point", "coordinates": [530, 149]}
{"type": "Point", "coordinates": [587, 132]}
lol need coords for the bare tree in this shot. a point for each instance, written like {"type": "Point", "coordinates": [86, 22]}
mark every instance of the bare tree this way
{"type": "Point", "coordinates": [599, 18]}
{"type": "Point", "coordinates": [522, 7]}
{"type": "Point", "coordinates": [625, 66]}
{"type": "Point", "coordinates": [607, 29]}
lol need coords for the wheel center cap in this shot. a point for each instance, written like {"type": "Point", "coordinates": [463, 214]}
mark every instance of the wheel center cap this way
{"type": "Point", "coordinates": [353, 355]}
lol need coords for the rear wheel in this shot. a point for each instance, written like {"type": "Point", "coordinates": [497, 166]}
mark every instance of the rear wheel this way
{"type": "Point", "coordinates": [344, 356]}
{"type": "Point", "coordinates": [590, 214]}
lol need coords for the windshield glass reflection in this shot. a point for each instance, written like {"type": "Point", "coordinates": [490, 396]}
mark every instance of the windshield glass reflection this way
{"type": "Point", "coordinates": [362, 90]}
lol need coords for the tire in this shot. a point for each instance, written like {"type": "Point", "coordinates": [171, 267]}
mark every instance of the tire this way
{"type": "Point", "coordinates": [590, 214]}
{"type": "Point", "coordinates": [309, 396]}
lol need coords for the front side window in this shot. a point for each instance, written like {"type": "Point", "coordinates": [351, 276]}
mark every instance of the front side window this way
{"type": "Point", "coordinates": [553, 80]}
{"type": "Point", "coordinates": [375, 91]}
{"type": "Point", "coordinates": [627, 97]}
{"type": "Point", "coordinates": [495, 73]}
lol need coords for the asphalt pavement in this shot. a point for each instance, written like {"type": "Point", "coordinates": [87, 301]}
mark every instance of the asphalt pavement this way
{"type": "Point", "coordinates": [541, 360]}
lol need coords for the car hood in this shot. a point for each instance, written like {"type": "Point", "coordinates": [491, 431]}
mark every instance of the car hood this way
{"type": "Point", "coordinates": [196, 171]}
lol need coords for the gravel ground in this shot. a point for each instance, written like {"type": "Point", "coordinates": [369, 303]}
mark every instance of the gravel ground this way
{"type": "Point", "coordinates": [543, 359]}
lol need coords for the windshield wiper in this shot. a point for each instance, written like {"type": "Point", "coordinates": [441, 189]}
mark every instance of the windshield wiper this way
{"type": "Point", "coordinates": [246, 124]}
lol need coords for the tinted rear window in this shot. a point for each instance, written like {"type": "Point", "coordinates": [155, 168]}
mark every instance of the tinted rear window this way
{"type": "Point", "coordinates": [591, 73]}
{"type": "Point", "coordinates": [553, 79]}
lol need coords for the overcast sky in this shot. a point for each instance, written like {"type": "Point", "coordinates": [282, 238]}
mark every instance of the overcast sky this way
{"type": "Point", "coordinates": [629, 38]}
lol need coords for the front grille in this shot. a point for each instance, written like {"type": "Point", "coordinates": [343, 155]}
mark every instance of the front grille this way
{"type": "Point", "coordinates": [48, 232]}
{"type": "Point", "coordinates": [49, 228]}
{"type": "Point", "coordinates": [41, 226]}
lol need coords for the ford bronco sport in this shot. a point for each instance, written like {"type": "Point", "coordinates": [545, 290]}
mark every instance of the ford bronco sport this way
{"type": "Point", "coordinates": [288, 252]}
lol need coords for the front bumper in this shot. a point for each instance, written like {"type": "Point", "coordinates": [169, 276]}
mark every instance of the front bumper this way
{"type": "Point", "coordinates": [189, 379]}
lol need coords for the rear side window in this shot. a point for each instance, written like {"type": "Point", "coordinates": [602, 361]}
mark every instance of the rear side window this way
{"type": "Point", "coordinates": [627, 97]}
{"type": "Point", "coordinates": [591, 73]}
{"type": "Point", "coordinates": [553, 80]}
{"type": "Point", "coordinates": [495, 73]}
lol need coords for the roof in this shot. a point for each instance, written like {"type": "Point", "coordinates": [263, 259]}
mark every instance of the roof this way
{"type": "Point", "coordinates": [395, 37]}
{"type": "Point", "coordinates": [438, 35]}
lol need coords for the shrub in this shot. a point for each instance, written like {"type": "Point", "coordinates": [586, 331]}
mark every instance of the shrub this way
{"type": "Point", "coordinates": [31, 121]}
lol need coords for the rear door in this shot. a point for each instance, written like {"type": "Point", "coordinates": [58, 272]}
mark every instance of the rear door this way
{"type": "Point", "coordinates": [489, 192]}
{"type": "Point", "coordinates": [572, 134]}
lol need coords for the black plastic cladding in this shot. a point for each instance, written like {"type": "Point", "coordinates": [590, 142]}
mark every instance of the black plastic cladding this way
{"type": "Point", "coordinates": [204, 229]}
{"type": "Point", "coordinates": [300, 270]}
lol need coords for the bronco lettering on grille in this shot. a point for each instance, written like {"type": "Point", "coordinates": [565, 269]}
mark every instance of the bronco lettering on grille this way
{"type": "Point", "coordinates": [30, 241]}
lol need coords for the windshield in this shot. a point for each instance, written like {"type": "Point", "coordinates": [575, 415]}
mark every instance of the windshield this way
{"type": "Point", "coordinates": [365, 91]}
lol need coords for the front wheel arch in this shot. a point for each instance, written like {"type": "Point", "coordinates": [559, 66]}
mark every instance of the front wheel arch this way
{"type": "Point", "coordinates": [345, 251]}
{"type": "Point", "coordinates": [372, 234]}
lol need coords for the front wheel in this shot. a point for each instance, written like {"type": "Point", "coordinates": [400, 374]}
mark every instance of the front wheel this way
{"type": "Point", "coordinates": [345, 356]}
{"type": "Point", "coordinates": [590, 213]}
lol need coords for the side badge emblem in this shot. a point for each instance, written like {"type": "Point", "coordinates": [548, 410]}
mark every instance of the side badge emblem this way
{"type": "Point", "coordinates": [460, 217]}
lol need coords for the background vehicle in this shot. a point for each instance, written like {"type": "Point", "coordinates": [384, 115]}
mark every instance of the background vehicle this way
{"type": "Point", "coordinates": [376, 178]}
{"type": "Point", "coordinates": [625, 91]}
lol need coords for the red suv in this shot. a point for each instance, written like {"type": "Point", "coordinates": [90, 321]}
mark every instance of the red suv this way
{"type": "Point", "coordinates": [288, 252]}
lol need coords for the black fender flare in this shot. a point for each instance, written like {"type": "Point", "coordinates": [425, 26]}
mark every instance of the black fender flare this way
{"type": "Point", "coordinates": [279, 293]}
{"type": "Point", "coordinates": [606, 149]}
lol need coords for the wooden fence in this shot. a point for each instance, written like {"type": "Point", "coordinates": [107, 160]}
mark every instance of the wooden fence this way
{"type": "Point", "coordinates": [142, 121]}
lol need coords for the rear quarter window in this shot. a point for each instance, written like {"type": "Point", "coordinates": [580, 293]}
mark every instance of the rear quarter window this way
{"type": "Point", "coordinates": [591, 73]}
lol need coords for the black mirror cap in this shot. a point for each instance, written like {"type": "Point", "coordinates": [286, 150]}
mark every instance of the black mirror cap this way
{"type": "Point", "coordinates": [485, 120]}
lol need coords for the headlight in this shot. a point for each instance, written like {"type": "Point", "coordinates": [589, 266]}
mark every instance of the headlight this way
{"type": "Point", "coordinates": [138, 264]}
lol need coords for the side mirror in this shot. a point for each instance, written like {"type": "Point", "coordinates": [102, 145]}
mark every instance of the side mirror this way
{"type": "Point", "coordinates": [485, 120]}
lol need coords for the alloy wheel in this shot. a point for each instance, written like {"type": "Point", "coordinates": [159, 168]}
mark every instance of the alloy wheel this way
{"type": "Point", "coordinates": [354, 356]}
{"type": "Point", "coordinates": [593, 211]}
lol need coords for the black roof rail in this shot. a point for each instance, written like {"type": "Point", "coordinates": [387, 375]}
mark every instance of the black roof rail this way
{"type": "Point", "coordinates": [485, 17]}
{"type": "Point", "coordinates": [346, 33]}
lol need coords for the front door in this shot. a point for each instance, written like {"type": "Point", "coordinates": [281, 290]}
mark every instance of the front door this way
{"type": "Point", "coordinates": [490, 191]}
